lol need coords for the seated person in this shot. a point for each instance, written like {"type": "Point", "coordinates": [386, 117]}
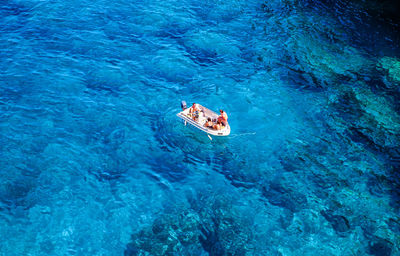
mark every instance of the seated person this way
{"type": "Point", "coordinates": [193, 108]}
{"type": "Point", "coordinates": [209, 123]}
{"type": "Point", "coordinates": [194, 111]}
{"type": "Point", "coordinates": [223, 118]}
{"type": "Point", "coordinates": [218, 125]}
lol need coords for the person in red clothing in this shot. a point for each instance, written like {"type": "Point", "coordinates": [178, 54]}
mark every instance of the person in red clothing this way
{"type": "Point", "coordinates": [194, 110]}
{"type": "Point", "coordinates": [223, 118]}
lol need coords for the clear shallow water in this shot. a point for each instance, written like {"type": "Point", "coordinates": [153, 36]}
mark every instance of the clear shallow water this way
{"type": "Point", "coordinates": [94, 161]}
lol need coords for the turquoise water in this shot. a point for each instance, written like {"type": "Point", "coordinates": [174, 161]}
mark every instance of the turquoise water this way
{"type": "Point", "coordinates": [94, 160]}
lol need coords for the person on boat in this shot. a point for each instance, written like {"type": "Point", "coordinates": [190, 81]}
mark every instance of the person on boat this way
{"type": "Point", "coordinates": [193, 108]}
{"type": "Point", "coordinates": [194, 111]}
{"type": "Point", "coordinates": [209, 123]}
{"type": "Point", "coordinates": [218, 125]}
{"type": "Point", "coordinates": [223, 118]}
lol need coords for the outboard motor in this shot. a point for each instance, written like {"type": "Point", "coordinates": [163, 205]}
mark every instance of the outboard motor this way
{"type": "Point", "coordinates": [183, 105]}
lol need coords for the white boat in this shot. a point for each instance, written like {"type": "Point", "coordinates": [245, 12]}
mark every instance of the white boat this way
{"type": "Point", "coordinates": [201, 119]}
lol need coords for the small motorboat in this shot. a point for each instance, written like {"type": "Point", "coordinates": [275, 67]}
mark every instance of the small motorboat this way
{"type": "Point", "coordinates": [199, 118]}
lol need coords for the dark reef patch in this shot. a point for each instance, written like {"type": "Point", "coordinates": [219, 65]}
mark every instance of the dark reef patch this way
{"type": "Point", "coordinates": [278, 195]}
{"type": "Point", "coordinates": [297, 77]}
{"type": "Point", "coordinates": [339, 223]}
{"type": "Point", "coordinates": [383, 9]}
{"type": "Point", "coordinates": [380, 247]}
{"type": "Point", "coordinates": [210, 242]}
{"type": "Point", "coordinates": [169, 168]}
{"type": "Point", "coordinates": [210, 225]}
{"type": "Point", "coordinates": [16, 195]}
{"type": "Point", "coordinates": [378, 185]}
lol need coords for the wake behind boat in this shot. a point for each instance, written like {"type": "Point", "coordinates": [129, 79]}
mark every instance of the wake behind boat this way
{"type": "Point", "coordinates": [199, 117]}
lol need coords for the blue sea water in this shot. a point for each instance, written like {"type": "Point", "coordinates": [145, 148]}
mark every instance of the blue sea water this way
{"type": "Point", "coordinates": [94, 161]}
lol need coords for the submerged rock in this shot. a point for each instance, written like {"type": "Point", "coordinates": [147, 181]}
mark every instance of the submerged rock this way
{"type": "Point", "coordinates": [392, 67]}
{"type": "Point", "coordinates": [210, 242]}
{"type": "Point", "coordinates": [369, 117]}
{"type": "Point", "coordinates": [211, 225]}
{"type": "Point", "coordinates": [278, 195]}
{"type": "Point", "coordinates": [382, 8]}
{"type": "Point", "coordinates": [380, 248]}
{"type": "Point", "coordinates": [169, 234]}
{"type": "Point", "coordinates": [328, 62]}
{"type": "Point", "coordinates": [378, 108]}
{"type": "Point", "coordinates": [339, 223]}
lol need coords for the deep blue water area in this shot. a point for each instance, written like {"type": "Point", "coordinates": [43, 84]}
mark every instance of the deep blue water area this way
{"type": "Point", "coordinates": [94, 161]}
